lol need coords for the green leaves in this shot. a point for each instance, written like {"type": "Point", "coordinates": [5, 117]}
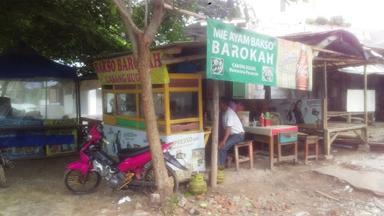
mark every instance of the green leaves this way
{"type": "Point", "coordinates": [74, 30]}
{"type": "Point", "coordinates": [61, 29]}
{"type": "Point", "coordinates": [114, 10]}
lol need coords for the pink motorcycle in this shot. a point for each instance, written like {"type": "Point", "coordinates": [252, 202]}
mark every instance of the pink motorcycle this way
{"type": "Point", "coordinates": [133, 170]}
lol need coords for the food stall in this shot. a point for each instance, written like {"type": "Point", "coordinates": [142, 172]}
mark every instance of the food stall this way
{"type": "Point", "coordinates": [38, 106]}
{"type": "Point", "coordinates": [178, 105]}
{"type": "Point", "coordinates": [342, 50]}
{"type": "Point", "coordinates": [249, 59]}
{"type": "Point", "coordinates": [302, 63]}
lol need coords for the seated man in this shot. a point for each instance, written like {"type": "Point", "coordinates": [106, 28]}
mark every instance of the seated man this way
{"type": "Point", "coordinates": [233, 131]}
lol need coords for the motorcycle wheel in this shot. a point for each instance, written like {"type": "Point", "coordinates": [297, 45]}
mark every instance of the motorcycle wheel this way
{"type": "Point", "coordinates": [77, 183]}
{"type": "Point", "coordinates": [150, 176]}
{"type": "Point", "coordinates": [3, 180]}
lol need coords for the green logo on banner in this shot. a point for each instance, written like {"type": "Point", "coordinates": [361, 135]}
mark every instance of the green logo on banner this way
{"type": "Point", "coordinates": [239, 55]}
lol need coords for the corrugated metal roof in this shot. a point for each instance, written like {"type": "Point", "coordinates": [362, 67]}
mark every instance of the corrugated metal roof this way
{"type": "Point", "coordinates": [345, 49]}
{"type": "Point", "coordinates": [371, 69]}
{"type": "Point", "coordinates": [182, 44]}
{"type": "Point", "coordinates": [338, 48]}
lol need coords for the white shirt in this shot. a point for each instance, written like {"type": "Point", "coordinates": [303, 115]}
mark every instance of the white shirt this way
{"type": "Point", "coordinates": [230, 119]}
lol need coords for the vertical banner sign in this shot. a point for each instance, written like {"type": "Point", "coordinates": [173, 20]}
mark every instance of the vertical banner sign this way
{"type": "Point", "coordinates": [239, 55]}
{"type": "Point", "coordinates": [294, 65]}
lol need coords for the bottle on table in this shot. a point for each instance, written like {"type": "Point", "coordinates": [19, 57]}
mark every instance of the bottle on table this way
{"type": "Point", "coordinates": [262, 120]}
{"type": "Point", "coordinates": [267, 120]}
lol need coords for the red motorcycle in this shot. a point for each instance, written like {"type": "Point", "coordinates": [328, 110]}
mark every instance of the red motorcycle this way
{"type": "Point", "coordinates": [134, 168]}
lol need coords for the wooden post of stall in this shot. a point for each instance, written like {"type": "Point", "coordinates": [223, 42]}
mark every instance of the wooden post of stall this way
{"type": "Point", "coordinates": [327, 144]}
{"type": "Point", "coordinates": [78, 113]}
{"type": "Point", "coordinates": [78, 106]}
{"type": "Point", "coordinates": [365, 96]}
{"type": "Point", "coordinates": [215, 134]}
{"type": "Point", "coordinates": [46, 99]}
{"type": "Point", "coordinates": [201, 118]}
{"type": "Point", "coordinates": [167, 109]}
{"type": "Point", "coordinates": [365, 107]}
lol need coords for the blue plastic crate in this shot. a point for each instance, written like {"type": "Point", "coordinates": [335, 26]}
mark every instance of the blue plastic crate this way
{"type": "Point", "coordinates": [25, 152]}
{"type": "Point", "coordinates": [287, 137]}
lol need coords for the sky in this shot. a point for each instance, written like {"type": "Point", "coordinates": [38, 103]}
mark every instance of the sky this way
{"type": "Point", "coordinates": [365, 16]}
{"type": "Point", "coordinates": [361, 14]}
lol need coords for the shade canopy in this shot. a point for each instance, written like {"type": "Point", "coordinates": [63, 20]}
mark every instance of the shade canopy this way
{"type": "Point", "coordinates": [371, 69]}
{"type": "Point", "coordinates": [340, 41]}
{"type": "Point", "coordinates": [339, 48]}
{"type": "Point", "coordinates": [32, 65]}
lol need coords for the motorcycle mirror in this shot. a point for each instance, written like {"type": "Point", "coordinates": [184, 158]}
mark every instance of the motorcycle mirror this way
{"type": "Point", "coordinates": [99, 128]}
{"type": "Point", "coordinates": [92, 147]}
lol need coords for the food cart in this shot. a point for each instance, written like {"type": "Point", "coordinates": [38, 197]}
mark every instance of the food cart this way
{"type": "Point", "coordinates": [178, 105]}
{"type": "Point", "coordinates": [38, 106]}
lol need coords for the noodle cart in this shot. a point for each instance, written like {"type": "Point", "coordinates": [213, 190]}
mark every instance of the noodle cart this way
{"type": "Point", "coordinates": [178, 106]}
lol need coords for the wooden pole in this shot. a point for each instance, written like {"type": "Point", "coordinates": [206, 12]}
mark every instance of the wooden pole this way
{"type": "Point", "coordinates": [78, 106]}
{"type": "Point", "coordinates": [200, 104]}
{"type": "Point", "coordinates": [327, 144]}
{"type": "Point", "coordinates": [46, 99]}
{"type": "Point", "coordinates": [78, 112]}
{"type": "Point", "coordinates": [167, 109]}
{"type": "Point", "coordinates": [365, 131]}
{"type": "Point", "coordinates": [325, 98]}
{"type": "Point", "coordinates": [215, 133]}
{"type": "Point", "coordinates": [365, 95]}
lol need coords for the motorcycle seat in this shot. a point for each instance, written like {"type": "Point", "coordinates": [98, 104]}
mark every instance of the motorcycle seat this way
{"type": "Point", "coordinates": [126, 153]}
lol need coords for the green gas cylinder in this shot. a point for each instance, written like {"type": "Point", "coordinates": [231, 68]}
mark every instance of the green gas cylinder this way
{"type": "Point", "coordinates": [220, 176]}
{"type": "Point", "coordinates": [197, 184]}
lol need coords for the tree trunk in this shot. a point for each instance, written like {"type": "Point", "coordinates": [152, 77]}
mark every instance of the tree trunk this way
{"type": "Point", "coordinates": [160, 171]}
{"type": "Point", "coordinates": [141, 41]}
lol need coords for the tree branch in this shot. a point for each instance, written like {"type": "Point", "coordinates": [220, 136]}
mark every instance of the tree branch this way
{"type": "Point", "coordinates": [134, 40]}
{"type": "Point", "coordinates": [146, 14]}
{"type": "Point", "coordinates": [188, 13]}
{"type": "Point", "coordinates": [127, 17]}
{"type": "Point", "coordinates": [157, 18]}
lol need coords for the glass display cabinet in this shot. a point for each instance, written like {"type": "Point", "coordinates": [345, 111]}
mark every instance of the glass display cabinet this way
{"type": "Point", "coordinates": [178, 104]}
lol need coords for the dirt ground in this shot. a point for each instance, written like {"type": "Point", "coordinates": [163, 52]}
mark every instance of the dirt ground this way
{"type": "Point", "coordinates": [375, 132]}
{"type": "Point", "coordinates": [297, 190]}
{"type": "Point", "coordinates": [36, 188]}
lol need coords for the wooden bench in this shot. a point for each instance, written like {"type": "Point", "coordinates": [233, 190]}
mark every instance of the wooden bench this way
{"type": "Point", "coordinates": [248, 158]}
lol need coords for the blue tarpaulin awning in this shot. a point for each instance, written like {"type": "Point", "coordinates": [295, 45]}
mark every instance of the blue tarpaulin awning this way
{"type": "Point", "coordinates": [14, 65]}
